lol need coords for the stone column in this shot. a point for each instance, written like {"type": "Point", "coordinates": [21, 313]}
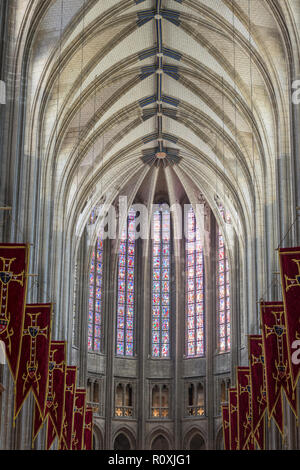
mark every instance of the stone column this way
{"type": "Point", "coordinates": [210, 319]}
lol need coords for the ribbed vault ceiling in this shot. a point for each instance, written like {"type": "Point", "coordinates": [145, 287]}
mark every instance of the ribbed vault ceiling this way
{"type": "Point", "coordinates": [113, 83]}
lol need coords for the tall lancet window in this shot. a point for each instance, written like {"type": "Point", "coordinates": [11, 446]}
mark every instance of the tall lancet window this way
{"type": "Point", "coordinates": [194, 288]}
{"type": "Point", "coordinates": [126, 277]}
{"type": "Point", "coordinates": [161, 252]}
{"type": "Point", "coordinates": [223, 295]}
{"type": "Point", "coordinates": [95, 323]}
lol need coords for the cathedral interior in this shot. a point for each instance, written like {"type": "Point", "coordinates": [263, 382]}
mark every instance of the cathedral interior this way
{"type": "Point", "coordinates": [107, 104]}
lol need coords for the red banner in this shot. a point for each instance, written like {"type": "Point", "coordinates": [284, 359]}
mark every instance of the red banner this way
{"type": "Point", "coordinates": [66, 440]}
{"type": "Point", "coordinates": [278, 375]}
{"type": "Point", "coordinates": [33, 362]}
{"type": "Point", "coordinates": [245, 436]}
{"type": "Point", "coordinates": [55, 401]}
{"type": "Point", "coordinates": [13, 287]}
{"type": "Point", "coordinates": [289, 259]}
{"type": "Point", "coordinates": [88, 429]}
{"type": "Point", "coordinates": [233, 418]}
{"type": "Point", "coordinates": [258, 388]}
{"type": "Point", "coordinates": [51, 434]}
{"type": "Point", "coordinates": [78, 423]}
{"type": "Point", "coordinates": [225, 420]}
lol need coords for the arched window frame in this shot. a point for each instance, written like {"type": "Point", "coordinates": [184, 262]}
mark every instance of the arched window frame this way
{"type": "Point", "coordinates": [95, 319]}
{"type": "Point", "coordinates": [195, 408]}
{"type": "Point", "coordinates": [161, 409]}
{"type": "Point", "coordinates": [195, 289]}
{"type": "Point", "coordinates": [125, 328]}
{"type": "Point", "coordinates": [161, 283]}
{"type": "Point", "coordinates": [124, 399]}
{"type": "Point", "coordinates": [223, 306]}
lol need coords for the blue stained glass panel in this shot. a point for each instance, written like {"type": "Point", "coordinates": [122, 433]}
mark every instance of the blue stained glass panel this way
{"type": "Point", "coordinates": [130, 274]}
{"type": "Point", "coordinates": [156, 311]}
{"type": "Point", "coordinates": [130, 311]}
{"type": "Point", "coordinates": [122, 260]}
{"type": "Point", "coordinates": [129, 324]}
{"type": "Point", "coordinates": [156, 250]}
{"type": "Point", "coordinates": [98, 293]}
{"type": "Point", "coordinates": [120, 335]}
{"type": "Point", "coordinates": [99, 268]}
{"type": "Point", "coordinates": [165, 312]}
{"type": "Point", "coordinates": [130, 249]}
{"type": "Point", "coordinates": [156, 286]}
{"type": "Point", "coordinates": [122, 248]}
{"type": "Point", "coordinates": [129, 336]}
{"type": "Point", "coordinates": [165, 337]}
{"type": "Point", "coordinates": [129, 349]}
{"type": "Point", "coordinates": [165, 286]}
{"type": "Point", "coordinates": [191, 349]}
{"type": "Point", "coordinates": [121, 310]}
{"type": "Point", "coordinates": [166, 250]}
{"type": "Point", "coordinates": [155, 337]}
{"type": "Point", "coordinates": [130, 286]}
{"type": "Point", "coordinates": [97, 331]}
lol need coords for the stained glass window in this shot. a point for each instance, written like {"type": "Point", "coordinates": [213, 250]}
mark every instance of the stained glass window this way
{"type": "Point", "coordinates": [95, 320]}
{"type": "Point", "coordinates": [160, 325]}
{"type": "Point", "coordinates": [195, 309]}
{"type": "Point", "coordinates": [126, 278]}
{"type": "Point", "coordinates": [223, 294]}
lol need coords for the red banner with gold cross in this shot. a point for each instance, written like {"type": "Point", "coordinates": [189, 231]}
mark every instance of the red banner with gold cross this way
{"type": "Point", "coordinates": [258, 388]}
{"type": "Point", "coordinates": [55, 401]}
{"type": "Point", "coordinates": [245, 436]}
{"type": "Point", "coordinates": [78, 420]}
{"type": "Point", "coordinates": [88, 429]}
{"type": "Point", "coordinates": [278, 374]}
{"type": "Point", "coordinates": [14, 259]}
{"type": "Point", "coordinates": [34, 357]}
{"type": "Point", "coordinates": [289, 260]}
{"type": "Point", "coordinates": [226, 429]}
{"type": "Point", "coordinates": [70, 388]}
{"type": "Point", "coordinates": [233, 418]}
